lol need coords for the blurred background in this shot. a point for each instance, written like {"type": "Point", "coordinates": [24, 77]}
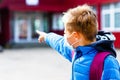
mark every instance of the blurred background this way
{"type": "Point", "coordinates": [22, 57]}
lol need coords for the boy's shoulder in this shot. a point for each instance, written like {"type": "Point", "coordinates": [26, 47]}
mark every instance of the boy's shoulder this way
{"type": "Point", "coordinates": [111, 62]}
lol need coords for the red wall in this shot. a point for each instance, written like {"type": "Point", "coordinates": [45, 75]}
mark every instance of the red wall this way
{"type": "Point", "coordinates": [117, 42]}
{"type": "Point", "coordinates": [44, 5]}
{"type": "Point", "coordinates": [95, 2]}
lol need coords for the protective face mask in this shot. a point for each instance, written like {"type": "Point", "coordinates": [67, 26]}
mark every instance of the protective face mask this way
{"type": "Point", "coordinates": [67, 43]}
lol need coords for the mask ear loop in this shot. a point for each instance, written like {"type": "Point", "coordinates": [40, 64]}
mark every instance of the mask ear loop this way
{"type": "Point", "coordinates": [76, 39]}
{"type": "Point", "coordinates": [75, 42]}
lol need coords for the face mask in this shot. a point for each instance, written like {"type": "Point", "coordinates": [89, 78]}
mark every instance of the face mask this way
{"type": "Point", "coordinates": [67, 43]}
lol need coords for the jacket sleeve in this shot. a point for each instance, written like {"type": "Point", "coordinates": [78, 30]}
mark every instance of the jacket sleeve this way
{"type": "Point", "coordinates": [57, 42]}
{"type": "Point", "coordinates": [111, 69]}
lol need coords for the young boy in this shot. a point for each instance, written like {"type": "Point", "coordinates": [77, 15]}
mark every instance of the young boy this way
{"type": "Point", "coordinates": [80, 35]}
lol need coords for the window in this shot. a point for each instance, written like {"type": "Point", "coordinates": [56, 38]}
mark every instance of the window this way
{"type": "Point", "coordinates": [117, 20]}
{"type": "Point", "coordinates": [45, 22]}
{"type": "Point", "coordinates": [106, 7]}
{"type": "Point", "coordinates": [32, 2]}
{"type": "Point", "coordinates": [22, 27]}
{"type": "Point", "coordinates": [36, 25]}
{"type": "Point", "coordinates": [57, 22]}
{"type": "Point", "coordinates": [94, 9]}
{"type": "Point", "coordinates": [110, 17]}
{"type": "Point", "coordinates": [107, 20]}
{"type": "Point", "coordinates": [117, 5]}
{"type": "Point", "coordinates": [25, 26]}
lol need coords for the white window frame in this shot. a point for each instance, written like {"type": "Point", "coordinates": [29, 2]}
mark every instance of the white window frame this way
{"type": "Point", "coordinates": [111, 11]}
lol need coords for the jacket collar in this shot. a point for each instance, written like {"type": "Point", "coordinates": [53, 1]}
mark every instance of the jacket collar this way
{"type": "Point", "coordinates": [83, 49]}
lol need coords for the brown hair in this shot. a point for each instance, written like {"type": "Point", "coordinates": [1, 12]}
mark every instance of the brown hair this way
{"type": "Point", "coordinates": [81, 19]}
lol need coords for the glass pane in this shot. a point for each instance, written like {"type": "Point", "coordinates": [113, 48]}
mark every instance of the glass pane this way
{"type": "Point", "coordinates": [106, 7]}
{"type": "Point", "coordinates": [57, 22]}
{"type": "Point", "coordinates": [54, 27]}
{"type": "Point", "coordinates": [60, 23]}
{"type": "Point", "coordinates": [22, 27]}
{"type": "Point", "coordinates": [45, 24]}
{"type": "Point", "coordinates": [117, 20]}
{"type": "Point", "coordinates": [94, 9]}
{"type": "Point", "coordinates": [107, 20]}
{"type": "Point", "coordinates": [35, 23]}
{"type": "Point", "coordinates": [117, 5]}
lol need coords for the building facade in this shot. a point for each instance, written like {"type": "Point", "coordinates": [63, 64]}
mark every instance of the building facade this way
{"type": "Point", "coordinates": [19, 19]}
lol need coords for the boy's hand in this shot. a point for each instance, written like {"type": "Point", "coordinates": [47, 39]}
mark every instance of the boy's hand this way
{"type": "Point", "coordinates": [41, 36]}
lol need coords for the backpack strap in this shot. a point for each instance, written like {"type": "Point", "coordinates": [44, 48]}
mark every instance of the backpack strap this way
{"type": "Point", "coordinates": [97, 65]}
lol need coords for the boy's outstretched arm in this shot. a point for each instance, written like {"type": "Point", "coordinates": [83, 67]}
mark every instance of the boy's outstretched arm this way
{"type": "Point", "coordinates": [56, 42]}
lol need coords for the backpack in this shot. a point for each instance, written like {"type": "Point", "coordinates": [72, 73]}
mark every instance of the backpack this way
{"type": "Point", "coordinates": [97, 65]}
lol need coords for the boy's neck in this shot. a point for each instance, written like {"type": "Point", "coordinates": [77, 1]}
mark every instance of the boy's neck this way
{"type": "Point", "coordinates": [83, 43]}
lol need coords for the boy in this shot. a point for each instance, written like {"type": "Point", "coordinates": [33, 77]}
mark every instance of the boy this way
{"type": "Point", "coordinates": [80, 35]}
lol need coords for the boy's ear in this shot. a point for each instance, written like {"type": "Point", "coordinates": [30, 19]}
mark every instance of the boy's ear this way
{"type": "Point", "coordinates": [76, 35]}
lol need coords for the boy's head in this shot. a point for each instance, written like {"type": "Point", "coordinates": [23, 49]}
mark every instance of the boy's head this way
{"type": "Point", "coordinates": [82, 20]}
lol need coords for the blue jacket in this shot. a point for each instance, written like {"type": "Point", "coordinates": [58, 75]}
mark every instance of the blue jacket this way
{"type": "Point", "coordinates": [83, 56]}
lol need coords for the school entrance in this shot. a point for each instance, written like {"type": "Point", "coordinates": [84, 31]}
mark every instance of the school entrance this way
{"type": "Point", "coordinates": [26, 24]}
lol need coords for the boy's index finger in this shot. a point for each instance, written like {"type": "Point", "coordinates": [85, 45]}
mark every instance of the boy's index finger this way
{"type": "Point", "coordinates": [37, 31]}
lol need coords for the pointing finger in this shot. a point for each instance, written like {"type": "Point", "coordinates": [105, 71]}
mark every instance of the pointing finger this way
{"type": "Point", "coordinates": [39, 32]}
